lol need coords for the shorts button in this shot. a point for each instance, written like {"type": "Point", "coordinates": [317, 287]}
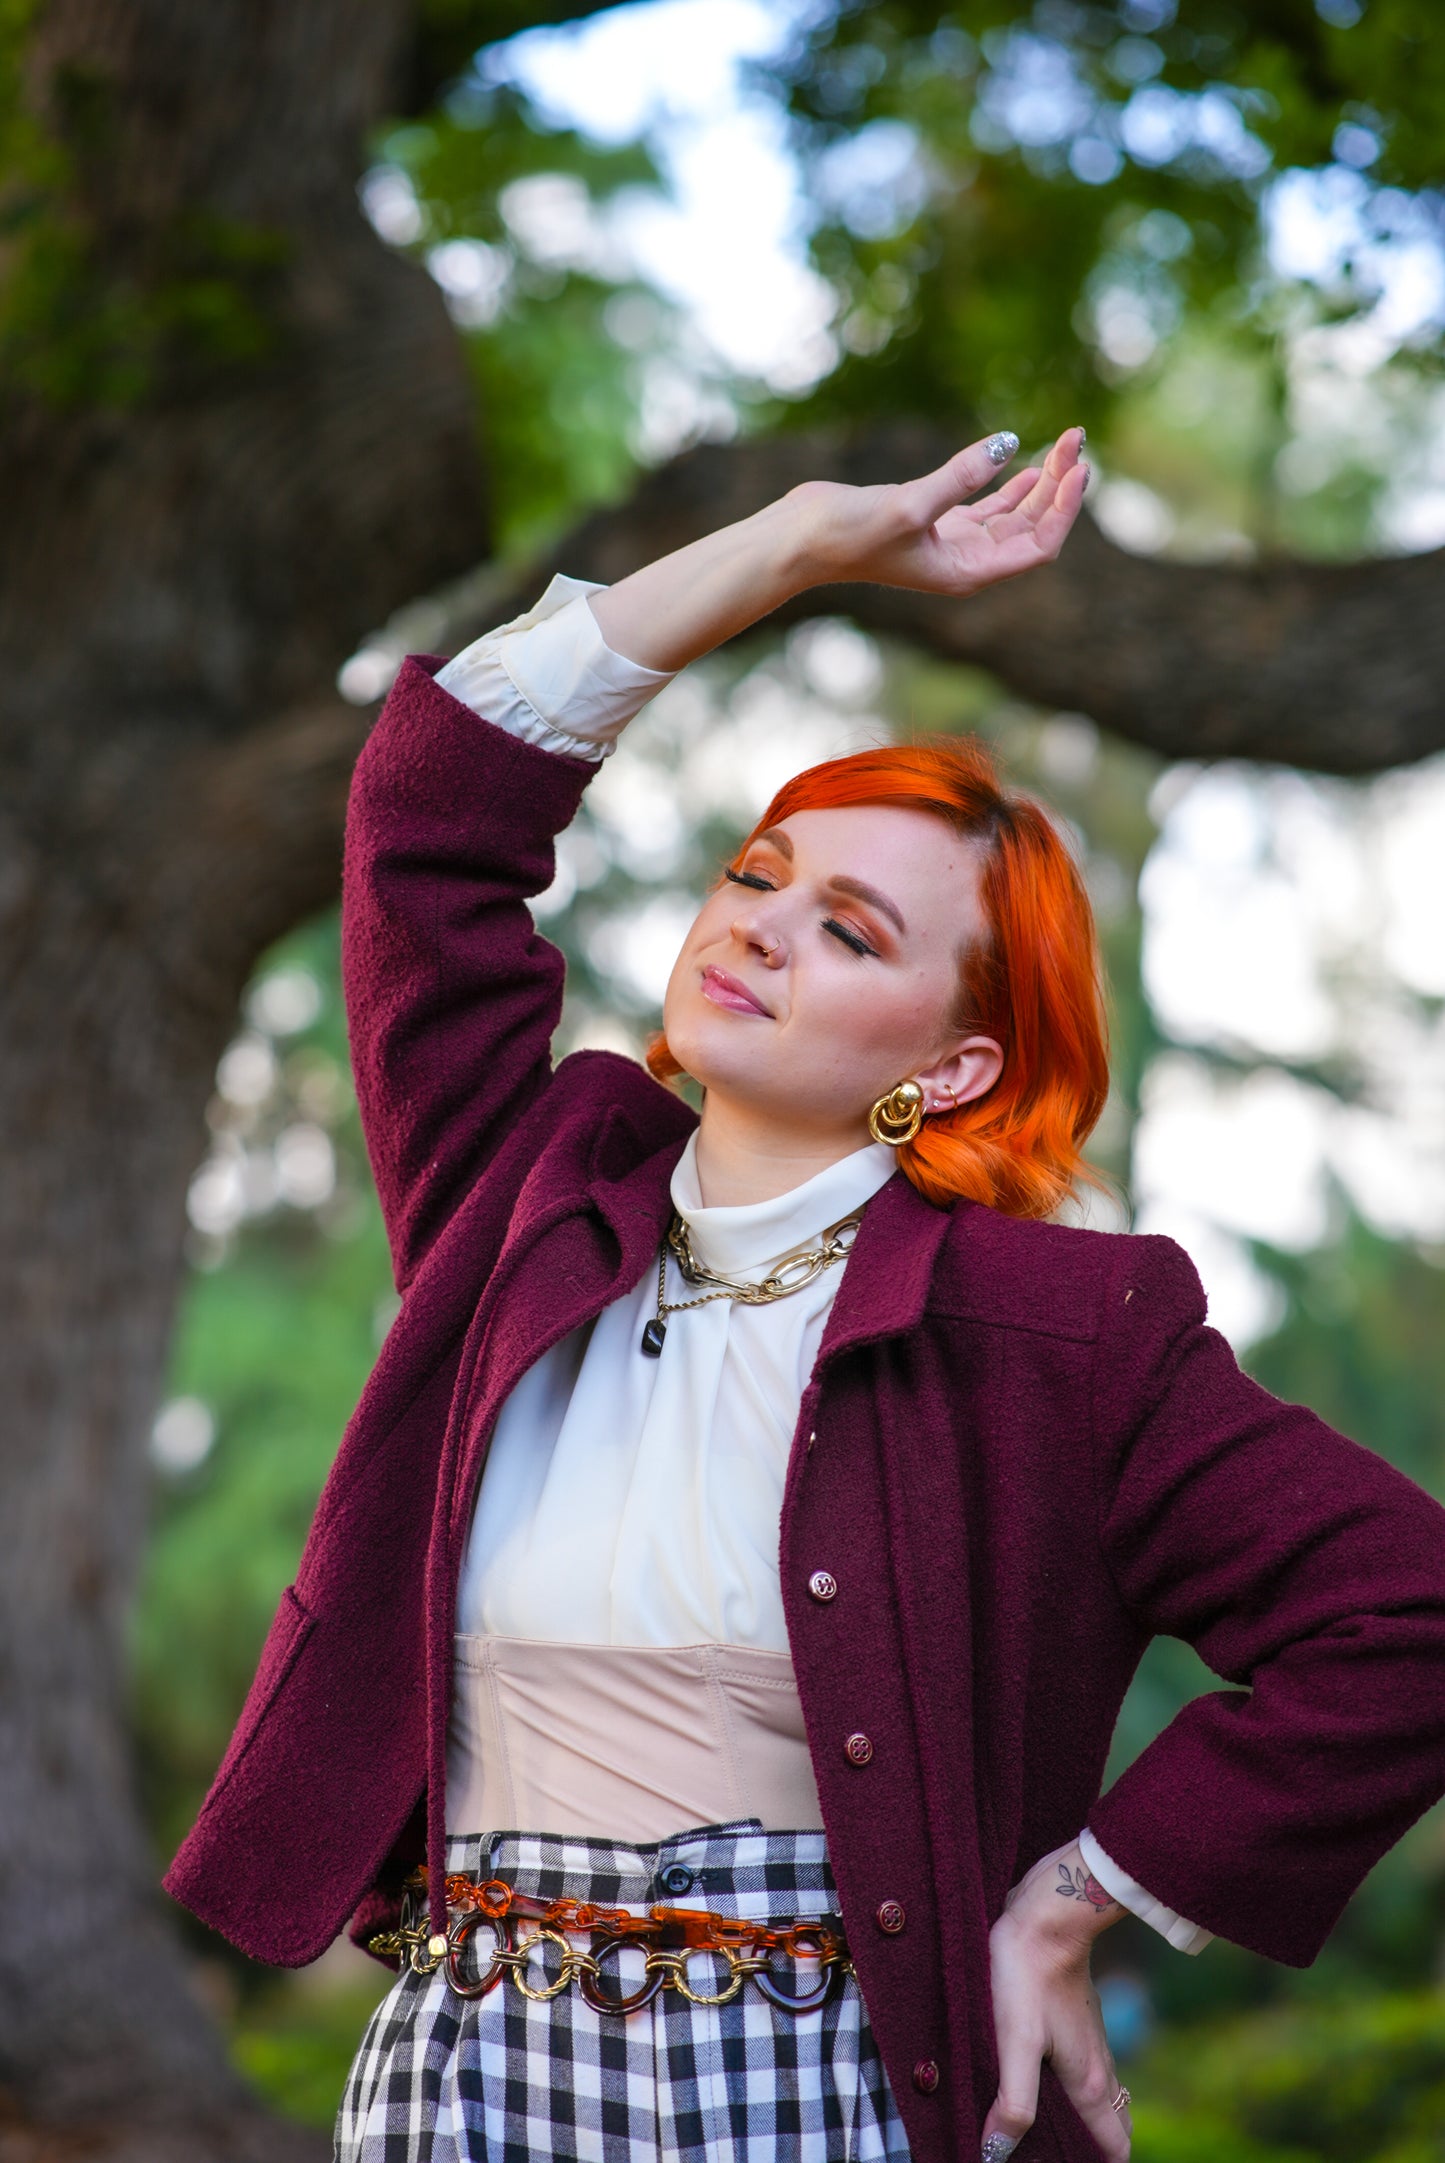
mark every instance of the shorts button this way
{"type": "Point", "coordinates": [925, 2076]}
{"type": "Point", "coordinates": [676, 1879]}
{"type": "Point", "coordinates": [858, 1749]}
{"type": "Point", "coordinates": [822, 1584]}
{"type": "Point", "coordinates": [891, 1917]}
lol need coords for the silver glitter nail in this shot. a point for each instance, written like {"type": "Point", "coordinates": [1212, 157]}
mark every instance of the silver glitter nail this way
{"type": "Point", "coordinates": [1000, 450]}
{"type": "Point", "coordinates": [998, 2148]}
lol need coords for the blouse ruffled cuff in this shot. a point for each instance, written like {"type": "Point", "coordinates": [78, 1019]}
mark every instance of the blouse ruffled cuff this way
{"type": "Point", "coordinates": [1184, 1936]}
{"type": "Point", "coordinates": [550, 677]}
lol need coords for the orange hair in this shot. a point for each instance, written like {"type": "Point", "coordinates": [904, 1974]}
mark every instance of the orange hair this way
{"type": "Point", "coordinates": [1034, 982]}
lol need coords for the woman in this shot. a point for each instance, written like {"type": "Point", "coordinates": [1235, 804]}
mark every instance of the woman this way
{"type": "Point", "coordinates": [759, 1518]}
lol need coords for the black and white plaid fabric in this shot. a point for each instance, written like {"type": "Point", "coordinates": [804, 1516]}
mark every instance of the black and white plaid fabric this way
{"type": "Point", "coordinates": [504, 2079]}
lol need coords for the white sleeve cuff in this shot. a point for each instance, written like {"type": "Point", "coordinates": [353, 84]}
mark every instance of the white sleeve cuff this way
{"type": "Point", "coordinates": [1184, 1936]}
{"type": "Point", "coordinates": [550, 677]}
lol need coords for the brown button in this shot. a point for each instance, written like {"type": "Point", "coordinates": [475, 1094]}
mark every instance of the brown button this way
{"type": "Point", "coordinates": [891, 1917]}
{"type": "Point", "coordinates": [925, 2076]}
{"type": "Point", "coordinates": [822, 1584]}
{"type": "Point", "coordinates": [858, 1749]}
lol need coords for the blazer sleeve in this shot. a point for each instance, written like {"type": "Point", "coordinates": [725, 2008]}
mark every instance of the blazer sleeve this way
{"type": "Point", "coordinates": [452, 997]}
{"type": "Point", "coordinates": [1308, 1573]}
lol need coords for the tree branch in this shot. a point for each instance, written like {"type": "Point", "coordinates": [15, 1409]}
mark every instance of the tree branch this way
{"type": "Point", "coordinates": [1335, 667]}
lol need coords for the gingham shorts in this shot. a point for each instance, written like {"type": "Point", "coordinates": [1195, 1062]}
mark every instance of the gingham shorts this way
{"type": "Point", "coordinates": [504, 2079]}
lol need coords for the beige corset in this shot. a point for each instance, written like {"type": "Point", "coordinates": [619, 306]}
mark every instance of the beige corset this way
{"type": "Point", "coordinates": [624, 1742]}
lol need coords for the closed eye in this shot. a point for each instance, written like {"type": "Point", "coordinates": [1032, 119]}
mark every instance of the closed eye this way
{"type": "Point", "coordinates": [849, 938]}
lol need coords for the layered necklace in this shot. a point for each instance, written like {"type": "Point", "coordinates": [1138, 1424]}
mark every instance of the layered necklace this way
{"type": "Point", "coordinates": [791, 1274]}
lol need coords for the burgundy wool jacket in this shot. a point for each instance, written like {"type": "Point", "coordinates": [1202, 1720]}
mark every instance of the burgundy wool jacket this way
{"type": "Point", "coordinates": [1022, 1453]}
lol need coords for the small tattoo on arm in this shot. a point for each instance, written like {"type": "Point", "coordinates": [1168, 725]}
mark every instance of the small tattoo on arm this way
{"type": "Point", "coordinates": [1081, 1884]}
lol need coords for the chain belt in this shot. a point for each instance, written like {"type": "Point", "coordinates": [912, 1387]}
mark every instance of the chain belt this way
{"type": "Point", "coordinates": [670, 1935]}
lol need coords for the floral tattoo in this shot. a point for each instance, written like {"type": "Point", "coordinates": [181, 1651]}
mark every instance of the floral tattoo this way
{"type": "Point", "coordinates": [1081, 1884]}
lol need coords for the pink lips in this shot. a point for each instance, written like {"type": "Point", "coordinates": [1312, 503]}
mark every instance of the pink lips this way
{"type": "Point", "coordinates": [725, 990]}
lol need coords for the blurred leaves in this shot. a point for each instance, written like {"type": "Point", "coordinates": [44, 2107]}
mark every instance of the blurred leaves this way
{"type": "Point", "coordinates": [511, 218]}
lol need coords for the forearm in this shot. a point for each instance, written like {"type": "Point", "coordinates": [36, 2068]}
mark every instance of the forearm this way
{"type": "Point", "coordinates": [672, 611]}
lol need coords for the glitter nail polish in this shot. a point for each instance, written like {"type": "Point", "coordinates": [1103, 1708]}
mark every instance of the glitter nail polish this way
{"type": "Point", "coordinates": [998, 2148]}
{"type": "Point", "coordinates": [1000, 449]}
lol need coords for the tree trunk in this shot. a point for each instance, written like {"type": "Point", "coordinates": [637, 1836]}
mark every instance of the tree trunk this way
{"type": "Point", "coordinates": [244, 435]}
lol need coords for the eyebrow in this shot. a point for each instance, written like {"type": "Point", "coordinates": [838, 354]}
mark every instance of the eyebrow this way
{"type": "Point", "coordinates": [840, 882]}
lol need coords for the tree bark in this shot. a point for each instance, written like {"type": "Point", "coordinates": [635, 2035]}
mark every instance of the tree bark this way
{"type": "Point", "coordinates": [194, 537]}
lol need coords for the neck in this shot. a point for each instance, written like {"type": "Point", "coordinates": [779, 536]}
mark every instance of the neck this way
{"type": "Point", "coordinates": [743, 1157]}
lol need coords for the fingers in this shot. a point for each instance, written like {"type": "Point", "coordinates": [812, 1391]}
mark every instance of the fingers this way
{"type": "Point", "coordinates": [961, 477]}
{"type": "Point", "coordinates": [1016, 2105]}
{"type": "Point", "coordinates": [1008, 496]}
{"type": "Point", "coordinates": [1033, 528]}
{"type": "Point", "coordinates": [1084, 2064]}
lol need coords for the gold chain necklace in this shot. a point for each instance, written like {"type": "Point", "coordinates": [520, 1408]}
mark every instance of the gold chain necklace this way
{"type": "Point", "coordinates": [791, 1274]}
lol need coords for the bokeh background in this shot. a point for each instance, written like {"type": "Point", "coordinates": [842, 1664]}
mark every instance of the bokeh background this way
{"type": "Point", "coordinates": [1212, 232]}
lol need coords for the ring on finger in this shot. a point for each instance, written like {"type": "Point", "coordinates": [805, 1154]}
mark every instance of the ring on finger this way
{"type": "Point", "coordinates": [1122, 2100]}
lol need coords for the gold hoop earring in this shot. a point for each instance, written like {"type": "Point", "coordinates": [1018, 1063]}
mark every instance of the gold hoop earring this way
{"type": "Point", "coordinates": [896, 1118]}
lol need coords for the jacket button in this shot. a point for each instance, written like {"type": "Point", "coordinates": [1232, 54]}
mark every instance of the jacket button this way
{"type": "Point", "coordinates": [676, 1879]}
{"type": "Point", "coordinates": [822, 1584]}
{"type": "Point", "coordinates": [857, 1749]}
{"type": "Point", "coordinates": [891, 1917]}
{"type": "Point", "coordinates": [925, 2076]}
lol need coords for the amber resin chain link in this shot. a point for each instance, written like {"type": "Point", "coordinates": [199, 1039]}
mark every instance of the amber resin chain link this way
{"type": "Point", "coordinates": [669, 1938]}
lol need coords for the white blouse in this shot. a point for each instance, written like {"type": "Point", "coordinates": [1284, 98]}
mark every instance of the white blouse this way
{"type": "Point", "coordinates": [635, 1501]}
{"type": "Point", "coordinates": [593, 1526]}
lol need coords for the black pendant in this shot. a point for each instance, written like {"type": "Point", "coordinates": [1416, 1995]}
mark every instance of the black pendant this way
{"type": "Point", "coordinates": [652, 1337]}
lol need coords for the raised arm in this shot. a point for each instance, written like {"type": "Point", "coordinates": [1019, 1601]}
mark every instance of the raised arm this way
{"type": "Point", "coordinates": [923, 534]}
{"type": "Point", "coordinates": [452, 997]}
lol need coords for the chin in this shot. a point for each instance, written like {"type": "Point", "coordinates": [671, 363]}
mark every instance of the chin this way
{"type": "Point", "coordinates": [721, 1051]}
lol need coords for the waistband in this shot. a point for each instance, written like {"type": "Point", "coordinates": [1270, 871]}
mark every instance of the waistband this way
{"type": "Point", "coordinates": [735, 1868]}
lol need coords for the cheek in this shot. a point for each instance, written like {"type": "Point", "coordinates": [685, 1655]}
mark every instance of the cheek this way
{"type": "Point", "coordinates": [880, 1010]}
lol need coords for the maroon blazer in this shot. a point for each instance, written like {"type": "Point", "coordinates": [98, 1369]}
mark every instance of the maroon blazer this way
{"type": "Point", "coordinates": [1021, 1454]}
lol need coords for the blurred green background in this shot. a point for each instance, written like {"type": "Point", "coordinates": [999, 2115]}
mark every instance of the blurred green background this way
{"type": "Point", "coordinates": [1213, 235]}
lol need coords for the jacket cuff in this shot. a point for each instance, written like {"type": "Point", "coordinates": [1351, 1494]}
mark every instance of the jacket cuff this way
{"type": "Point", "coordinates": [1184, 1936]}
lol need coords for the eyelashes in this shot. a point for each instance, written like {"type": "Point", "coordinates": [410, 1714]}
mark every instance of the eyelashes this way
{"type": "Point", "coordinates": [849, 938]}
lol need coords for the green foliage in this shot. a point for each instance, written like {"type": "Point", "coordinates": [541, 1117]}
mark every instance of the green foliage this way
{"type": "Point", "coordinates": [296, 2045]}
{"type": "Point", "coordinates": [1067, 207]}
{"type": "Point", "coordinates": [557, 339]}
{"type": "Point", "coordinates": [90, 316]}
{"type": "Point", "coordinates": [1362, 1342]}
{"type": "Point", "coordinates": [1361, 2081]}
{"type": "Point", "coordinates": [276, 1337]}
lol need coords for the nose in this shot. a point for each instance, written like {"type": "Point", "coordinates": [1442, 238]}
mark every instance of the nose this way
{"type": "Point", "coordinates": [761, 938]}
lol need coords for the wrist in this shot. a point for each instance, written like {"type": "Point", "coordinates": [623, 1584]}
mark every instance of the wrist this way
{"type": "Point", "coordinates": [1060, 1902]}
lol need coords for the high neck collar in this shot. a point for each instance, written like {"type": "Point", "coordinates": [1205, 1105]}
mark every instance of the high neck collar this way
{"type": "Point", "coordinates": [749, 1235]}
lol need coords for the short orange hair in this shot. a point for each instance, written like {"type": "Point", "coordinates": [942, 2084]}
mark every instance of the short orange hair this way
{"type": "Point", "coordinates": [1034, 983]}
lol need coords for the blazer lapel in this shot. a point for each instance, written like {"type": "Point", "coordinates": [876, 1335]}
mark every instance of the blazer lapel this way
{"type": "Point", "coordinates": [885, 1286]}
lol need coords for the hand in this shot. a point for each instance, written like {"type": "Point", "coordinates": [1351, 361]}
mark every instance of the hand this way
{"type": "Point", "coordinates": [926, 535]}
{"type": "Point", "coordinates": [923, 534]}
{"type": "Point", "coordinates": [1045, 2005]}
